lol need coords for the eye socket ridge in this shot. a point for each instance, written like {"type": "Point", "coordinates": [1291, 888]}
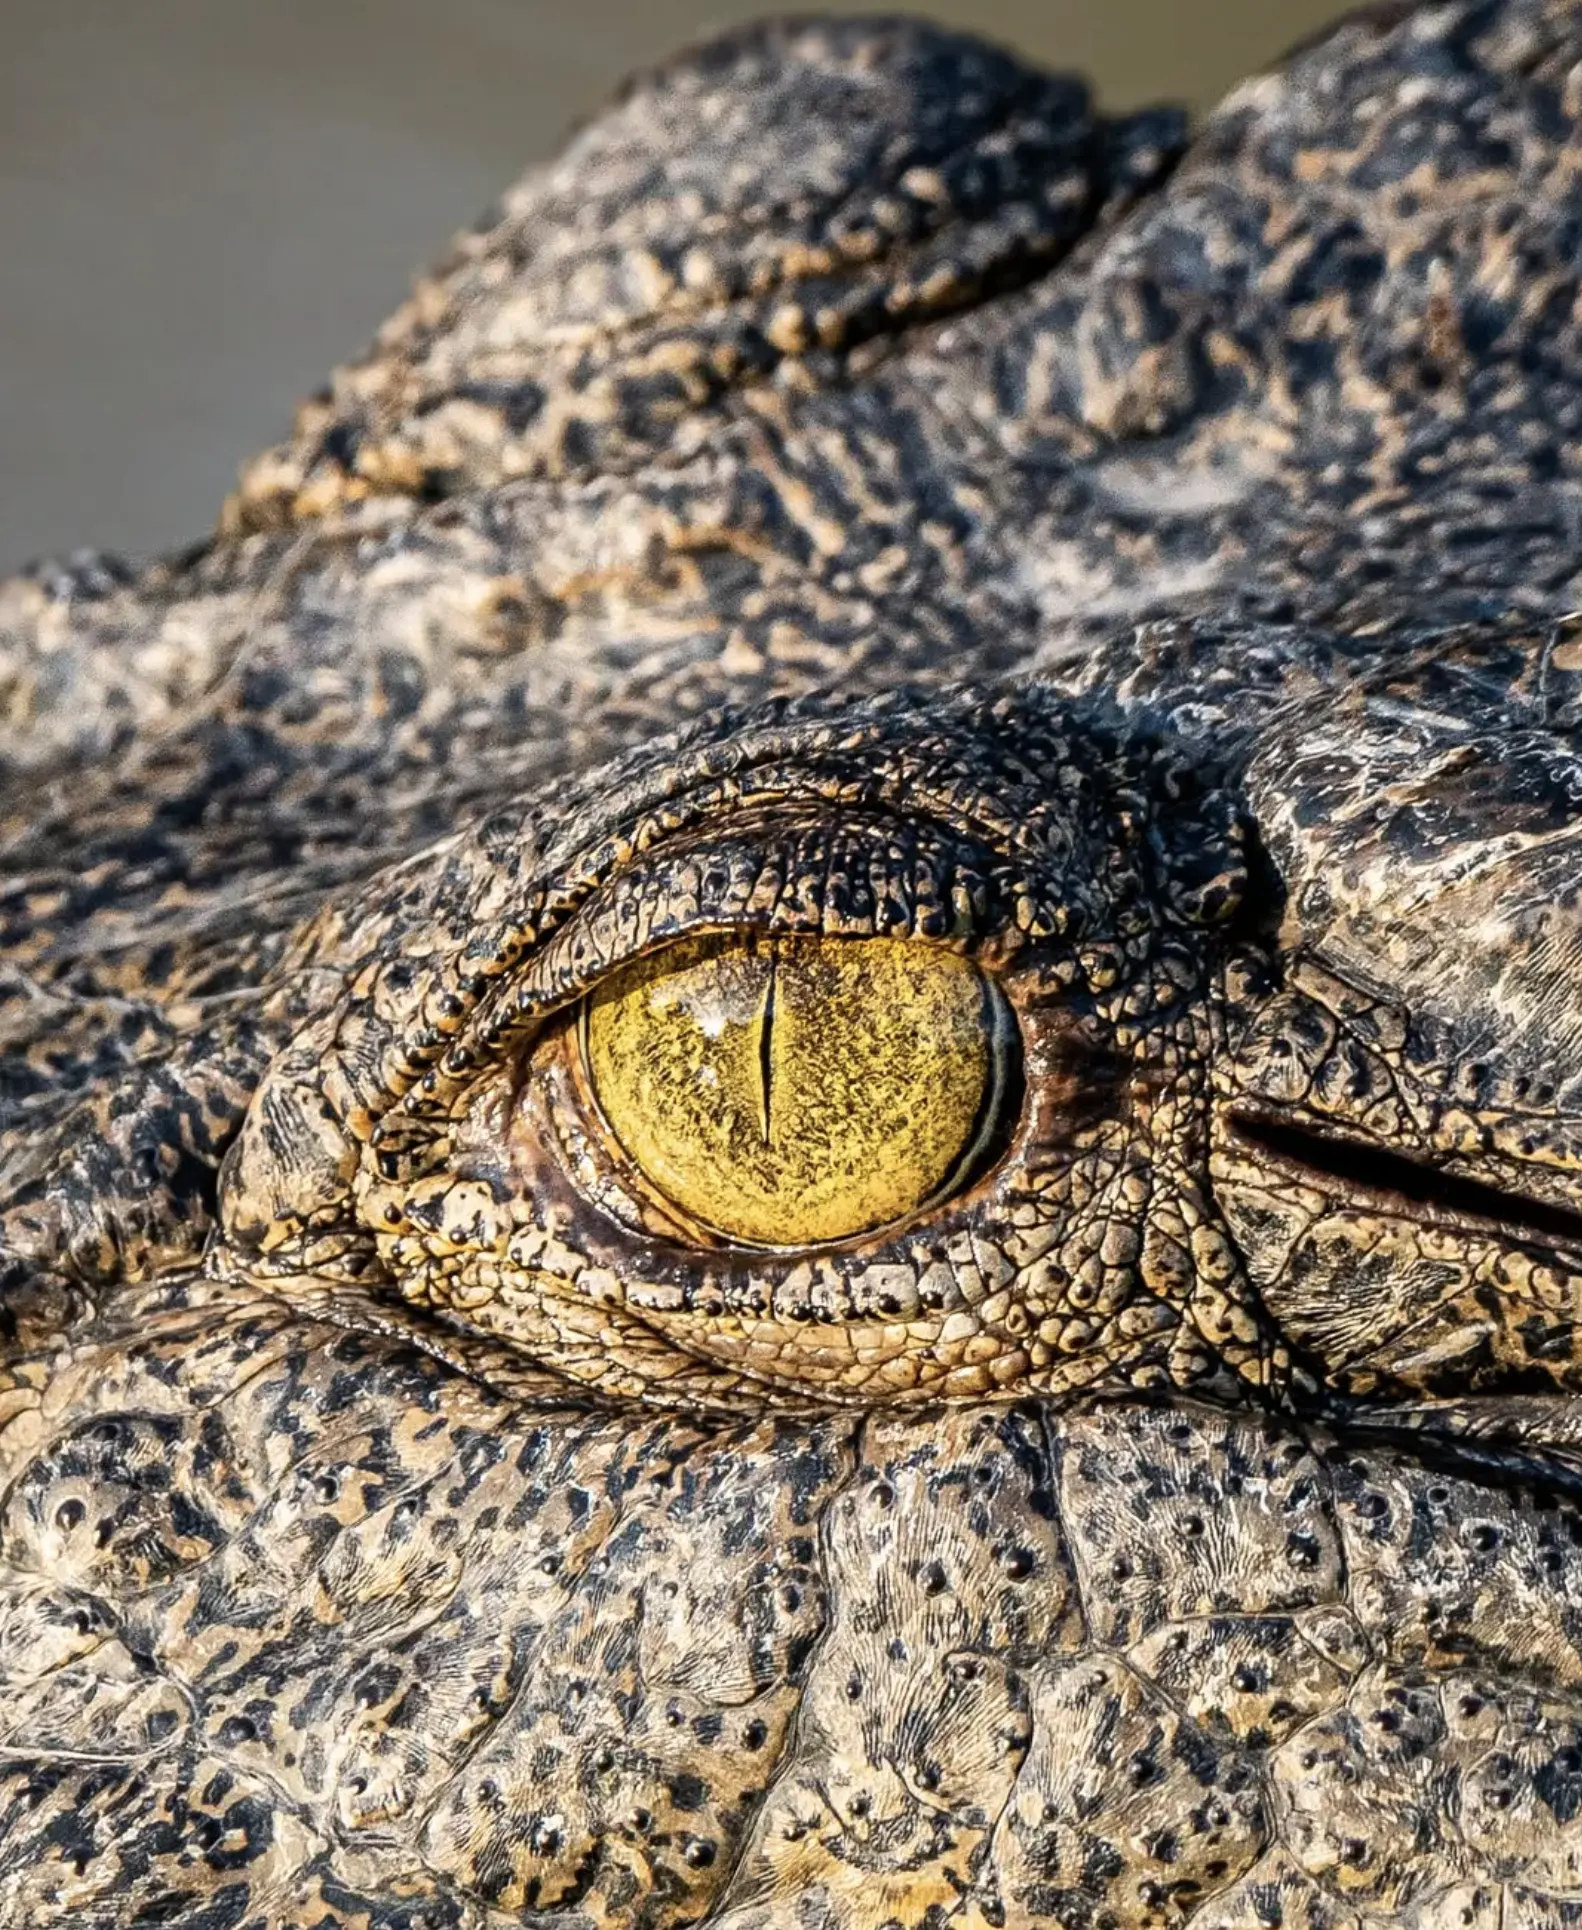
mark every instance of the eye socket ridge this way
{"type": "Point", "coordinates": [785, 1093]}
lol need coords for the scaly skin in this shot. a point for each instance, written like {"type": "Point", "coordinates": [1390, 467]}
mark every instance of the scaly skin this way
{"type": "Point", "coordinates": [856, 491]}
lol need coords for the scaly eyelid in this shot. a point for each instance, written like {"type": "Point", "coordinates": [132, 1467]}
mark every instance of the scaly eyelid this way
{"type": "Point", "coordinates": [804, 872]}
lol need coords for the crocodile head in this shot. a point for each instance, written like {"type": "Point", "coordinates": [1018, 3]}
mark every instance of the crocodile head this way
{"type": "Point", "coordinates": [788, 1133]}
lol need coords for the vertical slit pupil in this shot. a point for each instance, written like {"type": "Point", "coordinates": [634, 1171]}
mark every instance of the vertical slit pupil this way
{"type": "Point", "coordinates": [766, 1023]}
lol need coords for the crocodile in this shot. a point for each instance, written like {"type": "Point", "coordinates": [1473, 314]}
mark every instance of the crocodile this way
{"type": "Point", "coordinates": [788, 1119]}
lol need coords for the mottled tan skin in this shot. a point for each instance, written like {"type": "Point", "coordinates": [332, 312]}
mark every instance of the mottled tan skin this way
{"type": "Point", "coordinates": [857, 490]}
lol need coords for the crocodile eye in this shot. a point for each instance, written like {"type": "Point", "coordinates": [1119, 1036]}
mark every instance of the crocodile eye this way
{"type": "Point", "coordinates": [789, 1092]}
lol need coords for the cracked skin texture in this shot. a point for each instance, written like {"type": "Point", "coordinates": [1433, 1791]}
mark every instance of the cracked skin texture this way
{"type": "Point", "coordinates": [857, 494]}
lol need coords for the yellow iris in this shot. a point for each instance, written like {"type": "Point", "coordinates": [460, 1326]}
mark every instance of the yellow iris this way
{"type": "Point", "coordinates": [792, 1092]}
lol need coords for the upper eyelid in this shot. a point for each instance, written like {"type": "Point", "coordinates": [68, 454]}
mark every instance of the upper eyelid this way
{"type": "Point", "coordinates": [1028, 782]}
{"type": "Point", "coordinates": [949, 891]}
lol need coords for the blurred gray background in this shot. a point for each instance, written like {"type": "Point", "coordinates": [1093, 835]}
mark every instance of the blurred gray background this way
{"type": "Point", "coordinates": [206, 203]}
